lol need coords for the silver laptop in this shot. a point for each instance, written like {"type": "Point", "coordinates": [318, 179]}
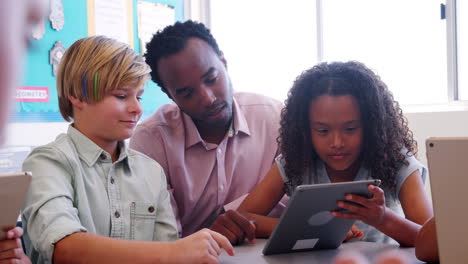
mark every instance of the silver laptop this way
{"type": "Point", "coordinates": [448, 172]}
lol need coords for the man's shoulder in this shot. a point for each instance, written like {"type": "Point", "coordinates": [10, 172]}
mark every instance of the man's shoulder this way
{"type": "Point", "coordinates": [167, 116]}
{"type": "Point", "coordinates": [161, 128]}
{"type": "Point", "coordinates": [259, 107]}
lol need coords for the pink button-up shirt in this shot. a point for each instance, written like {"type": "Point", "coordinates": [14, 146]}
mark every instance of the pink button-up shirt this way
{"type": "Point", "coordinates": [203, 177]}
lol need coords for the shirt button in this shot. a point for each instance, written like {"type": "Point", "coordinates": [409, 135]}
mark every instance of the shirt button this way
{"type": "Point", "coordinates": [102, 156]}
{"type": "Point", "coordinates": [117, 214]}
{"type": "Point", "coordinates": [219, 151]}
{"type": "Point", "coordinates": [151, 209]}
{"type": "Point", "coordinates": [221, 187]}
{"type": "Point", "coordinates": [112, 180]}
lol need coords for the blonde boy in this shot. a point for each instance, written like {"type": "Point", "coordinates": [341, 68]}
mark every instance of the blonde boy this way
{"type": "Point", "coordinates": [90, 194]}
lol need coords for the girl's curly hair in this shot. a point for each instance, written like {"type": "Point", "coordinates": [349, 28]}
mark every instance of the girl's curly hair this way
{"type": "Point", "coordinates": [386, 130]}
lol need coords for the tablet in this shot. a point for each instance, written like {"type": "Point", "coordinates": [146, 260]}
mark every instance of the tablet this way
{"type": "Point", "coordinates": [13, 189]}
{"type": "Point", "coordinates": [447, 160]}
{"type": "Point", "coordinates": [307, 224]}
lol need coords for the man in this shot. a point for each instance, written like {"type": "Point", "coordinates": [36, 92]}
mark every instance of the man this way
{"type": "Point", "coordinates": [213, 144]}
{"type": "Point", "coordinates": [17, 17]}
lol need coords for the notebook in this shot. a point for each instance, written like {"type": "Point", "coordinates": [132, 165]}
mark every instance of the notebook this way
{"type": "Point", "coordinates": [13, 189]}
{"type": "Point", "coordinates": [448, 172]}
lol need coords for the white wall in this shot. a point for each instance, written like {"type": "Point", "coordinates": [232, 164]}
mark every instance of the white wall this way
{"type": "Point", "coordinates": [436, 124]}
{"type": "Point", "coordinates": [33, 134]}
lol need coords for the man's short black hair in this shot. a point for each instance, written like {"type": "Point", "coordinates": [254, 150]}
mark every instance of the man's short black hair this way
{"type": "Point", "coordinates": [172, 40]}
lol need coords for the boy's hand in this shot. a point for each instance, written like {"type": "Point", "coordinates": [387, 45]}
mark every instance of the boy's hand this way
{"type": "Point", "coordinates": [203, 246]}
{"type": "Point", "coordinates": [370, 211]}
{"type": "Point", "coordinates": [11, 250]}
{"type": "Point", "coordinates": [235, 227]}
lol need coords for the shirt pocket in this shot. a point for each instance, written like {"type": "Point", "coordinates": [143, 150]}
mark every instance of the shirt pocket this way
{"type": "Point", "coordinates": [142, 221]}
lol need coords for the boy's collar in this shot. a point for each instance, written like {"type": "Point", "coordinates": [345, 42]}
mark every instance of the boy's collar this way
{"type": "Point", "coordinates": [89, 151]}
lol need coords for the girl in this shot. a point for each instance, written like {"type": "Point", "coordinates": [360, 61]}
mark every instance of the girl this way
{"type": "Point", "coordinates": [341, 123]}
{"type": "Point", "coordinates": [90, 194]}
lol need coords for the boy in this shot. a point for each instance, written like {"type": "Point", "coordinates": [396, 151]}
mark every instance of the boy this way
{"type": "Point", "coordinates": [90, 194]}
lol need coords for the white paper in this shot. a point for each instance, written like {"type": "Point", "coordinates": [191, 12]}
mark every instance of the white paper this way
{"type": "Point", "coordinates": [152, 17]}
{"type": "Point", "coordinates": [111, 19]}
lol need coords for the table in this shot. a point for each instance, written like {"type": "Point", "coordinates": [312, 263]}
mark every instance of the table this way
{"type": "Point", "coordinates": [248, 253]}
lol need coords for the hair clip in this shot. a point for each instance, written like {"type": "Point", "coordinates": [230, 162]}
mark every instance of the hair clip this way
{"type": "Point", "coordinates": [95, 86]}
{"type": "Point", "coordinates": [84, 91]}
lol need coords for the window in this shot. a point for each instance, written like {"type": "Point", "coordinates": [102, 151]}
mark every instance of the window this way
{"type": "Point", "coordinates": [462, 50]}
{"type": "Point", "coordinates": [403, 41]}
{"type": "Point", "coordinates": [269, 43]}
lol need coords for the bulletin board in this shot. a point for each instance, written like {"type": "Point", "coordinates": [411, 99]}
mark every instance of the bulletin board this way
{"type": "Point", "coordinates": [39, 81]}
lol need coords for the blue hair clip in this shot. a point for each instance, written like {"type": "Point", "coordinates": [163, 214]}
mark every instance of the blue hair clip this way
{"type": "Point", "coordinates": [84, 91]}
{"type": "Point", "coordinates": [95, 86]}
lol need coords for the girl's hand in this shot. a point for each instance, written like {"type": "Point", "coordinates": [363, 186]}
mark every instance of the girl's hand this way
{"type": "Point", "coordinates": [370, 211]}
{"type": "Point", "coordinates": [354, 232]}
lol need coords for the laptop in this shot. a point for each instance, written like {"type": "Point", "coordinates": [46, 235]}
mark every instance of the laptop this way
{"type": "Point", "coordinates": [448, 172]}
{"type": "Point", "coordinates": [13, 189]}
{"type": "Point", "coordinates": [307, 224]}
